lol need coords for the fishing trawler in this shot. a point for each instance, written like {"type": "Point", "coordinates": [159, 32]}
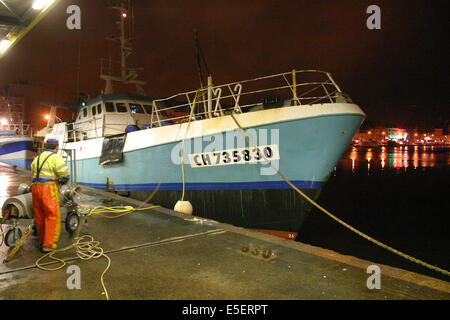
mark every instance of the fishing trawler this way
{"type": "Point", "coordinates": [211, 146]}
{"type": "Point", "coordinates": [16, 146]}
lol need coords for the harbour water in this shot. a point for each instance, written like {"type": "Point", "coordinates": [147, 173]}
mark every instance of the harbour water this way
{"type": "Point", "coordinates": [399, 196]}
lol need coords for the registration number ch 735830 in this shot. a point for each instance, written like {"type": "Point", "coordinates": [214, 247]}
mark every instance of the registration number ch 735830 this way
{"type": "Point", "coordinates": [248, 155]}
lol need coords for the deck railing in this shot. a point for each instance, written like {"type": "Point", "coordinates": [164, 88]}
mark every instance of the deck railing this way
{"type": "Point", "coordinates": [295, 88]}
{"type": "Point", "coordinates": [299, 88]}
{"type": "Point", "coordinates": [16, 128]}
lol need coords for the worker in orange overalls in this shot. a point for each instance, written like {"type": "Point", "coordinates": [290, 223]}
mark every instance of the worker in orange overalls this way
{"type": "Point", "coordinates": [49, 169]}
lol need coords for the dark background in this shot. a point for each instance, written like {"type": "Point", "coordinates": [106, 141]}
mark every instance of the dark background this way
{"type": "Point", "coordinates": [397, 74]}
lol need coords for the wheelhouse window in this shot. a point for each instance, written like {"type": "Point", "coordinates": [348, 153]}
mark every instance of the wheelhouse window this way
{"type": "Point", "coordinates": [85, 112]}
{"type": "Point", "coordinates": [148, 108]}
{"type": "Point", "coordinates": [136, 108]}
{"type": "Point", "coordinates": [109, 107]}
{"type": "Point", "coordinates": [121, 107]}
{"type": "Point", "coordinates": [99, 108]}
{"type": "Point", "coordinates": [93, 111]}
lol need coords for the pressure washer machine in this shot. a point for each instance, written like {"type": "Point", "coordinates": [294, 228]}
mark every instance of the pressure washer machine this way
{"type": "Point", "coordinates": [18, 210]}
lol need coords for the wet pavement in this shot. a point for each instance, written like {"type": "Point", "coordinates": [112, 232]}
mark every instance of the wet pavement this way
{"type": "Point", "coordinates": [159, 254]}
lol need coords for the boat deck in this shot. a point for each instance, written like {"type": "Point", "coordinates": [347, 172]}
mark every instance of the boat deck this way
{"type": "Point", "coordinates": [160, 254]}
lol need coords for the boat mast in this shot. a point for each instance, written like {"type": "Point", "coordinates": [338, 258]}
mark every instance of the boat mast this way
{"type": "Point", "coordinates": [127, 75]}
{"type": "Point", "coordinates": [124, 51]}
{"type": "Point", "coordinates": [200, 58]}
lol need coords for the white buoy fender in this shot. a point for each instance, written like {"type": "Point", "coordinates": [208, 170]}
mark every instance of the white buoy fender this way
{"type": "Point", "coordinates": [184, 207]}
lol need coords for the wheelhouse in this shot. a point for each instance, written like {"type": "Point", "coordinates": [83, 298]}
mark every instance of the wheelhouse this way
{"type": "Point", "coordinates": [111, 114]}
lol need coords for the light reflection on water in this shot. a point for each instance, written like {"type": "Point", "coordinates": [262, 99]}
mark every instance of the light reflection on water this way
{"type": "Point", "coordinates": [403, 157]}
{"type": "Point", "coordinates": [398, 195]}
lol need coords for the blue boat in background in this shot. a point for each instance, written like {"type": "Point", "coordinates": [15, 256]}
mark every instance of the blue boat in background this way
{"type": "Point", "coordinates": [16, 150]}
{"type": "Point", "coordinates": [16, 144]}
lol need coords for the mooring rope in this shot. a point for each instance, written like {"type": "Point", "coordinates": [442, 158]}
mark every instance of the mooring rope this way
{"type": "Point", "coordinates": [182, 143]}
{"type": "Point", "coordinates": [86, 248]}
{"type": "Point", "coordinates": [365, 236]}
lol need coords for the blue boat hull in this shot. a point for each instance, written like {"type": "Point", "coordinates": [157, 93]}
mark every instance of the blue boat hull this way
{"type": "Point", "coordinates": [246, 195]}
{"type": "Point", "coordinates": [18, 153]}
{"type": "Point", "coordinates": [308, 153]}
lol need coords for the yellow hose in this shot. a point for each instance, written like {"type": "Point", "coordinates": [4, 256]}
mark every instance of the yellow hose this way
{"type": "Point", "coordinates": [182, 143]}
{"type": "Point", "coordinates": [120, 210]}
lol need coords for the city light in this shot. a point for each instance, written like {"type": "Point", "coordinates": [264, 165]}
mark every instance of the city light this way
{"type": "Point", "coordinates": [47, 117]}
{"type": "Point", "coordinates": [4, 121]}
{"type": "Point", "coordinates": [398, 136]}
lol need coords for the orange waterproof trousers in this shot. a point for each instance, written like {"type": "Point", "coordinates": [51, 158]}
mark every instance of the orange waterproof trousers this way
{"type": "Point", "coordinates": [46, 212]}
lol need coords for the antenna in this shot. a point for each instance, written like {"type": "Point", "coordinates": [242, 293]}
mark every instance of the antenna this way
{"type": "Point", "coordinates": [127, 75]}
{"type": "Point", "coordinates": [200, 58]}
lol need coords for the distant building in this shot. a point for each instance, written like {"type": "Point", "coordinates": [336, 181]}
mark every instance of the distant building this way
{"type": "Point", "coordinates": [438, 132]}
{"type": "Point", "coordinates": [397, 134]}
{"type": "Point", "coordinates": [382, 136]}
{"type": "Point", "coordinates": [369, 138]}
{"type": "Point", "coordinates": [11, 112]}
{"type": "Point", "coordinates": [31, 96]}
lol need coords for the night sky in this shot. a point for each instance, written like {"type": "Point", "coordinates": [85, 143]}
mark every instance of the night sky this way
{"type": "Point", "coordinates": [397, 75]}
